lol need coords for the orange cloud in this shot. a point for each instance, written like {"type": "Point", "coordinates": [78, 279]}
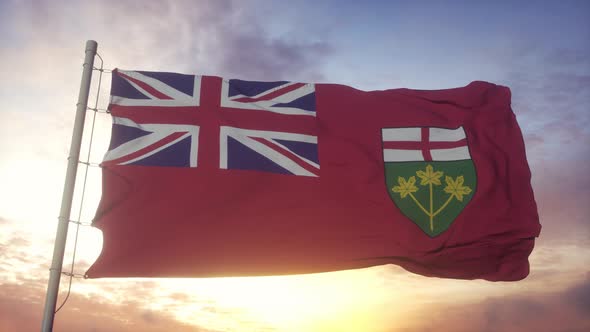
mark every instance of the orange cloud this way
{"type": "Point", "coordinates": [566, 310]}
{"type": "Point", "coordinates": [21, 308]}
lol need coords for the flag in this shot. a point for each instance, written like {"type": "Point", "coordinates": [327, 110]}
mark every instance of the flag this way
{"type": "Point", "coordinates": [208, 177]}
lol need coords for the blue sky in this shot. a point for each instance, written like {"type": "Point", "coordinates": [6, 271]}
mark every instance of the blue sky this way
{"type": "Point", "coordinates": [540, 49]}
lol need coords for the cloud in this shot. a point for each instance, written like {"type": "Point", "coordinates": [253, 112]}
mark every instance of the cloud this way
{"type": "Point", "coordinates": [208, 37]}
{"type": "Point", "coordinates": [217, 38]}
{"type": "Point", "coordinates": [579, 297]}
{"type": "Point", "coordinates": [21, 307]}
{"type": "Point", "coordinates": [569, 56]}
{"type": "Point", "coordinates": [551, 94]}
{"type": "Point", "coordinates": [256, 57]}
{"type": "Point", "coordinates": [15, 249]}
{"type": "Point", "coordinates": [19, 242]}
{"type": "Point", "coordinates": [545, 312]}
{"type": "Point", "coordinates": [562, 193]}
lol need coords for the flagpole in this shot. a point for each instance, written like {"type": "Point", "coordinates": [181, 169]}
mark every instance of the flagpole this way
{"type": "Point", "coordinates": [68, 193]}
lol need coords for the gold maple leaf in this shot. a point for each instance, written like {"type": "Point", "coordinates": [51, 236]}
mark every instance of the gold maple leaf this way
{"type": "Point", "coordinates": [405, 188]}
{"type": "Point", "coordinates": [430, 176]}
{"type": "Point", "coordinates": [456, 187]}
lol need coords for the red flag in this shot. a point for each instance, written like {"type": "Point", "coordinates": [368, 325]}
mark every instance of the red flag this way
{"type": "Point", "coordinates": [209, 177]}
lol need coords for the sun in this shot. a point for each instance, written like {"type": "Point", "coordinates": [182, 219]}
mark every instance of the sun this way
{"type": "Point", "coordinates": [335, 301]}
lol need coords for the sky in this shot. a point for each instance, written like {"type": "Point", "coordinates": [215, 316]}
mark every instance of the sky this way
{"type": "Point", "coordinates": [540, 49]}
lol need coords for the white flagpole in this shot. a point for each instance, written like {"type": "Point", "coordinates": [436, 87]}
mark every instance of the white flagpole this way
{"type": "Point", "coordinates": [68, 193]}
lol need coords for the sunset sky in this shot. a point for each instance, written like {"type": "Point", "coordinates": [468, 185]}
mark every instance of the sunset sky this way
{"type": "Point", "coordinates": [540, 49]}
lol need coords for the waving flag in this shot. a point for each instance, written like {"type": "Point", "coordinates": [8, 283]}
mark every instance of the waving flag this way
{"type": "Point", "coordinates": [208, 176]}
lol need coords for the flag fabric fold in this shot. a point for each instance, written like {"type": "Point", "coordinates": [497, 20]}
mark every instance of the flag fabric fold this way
{"type": "Point", "coordinates": [210, 177]}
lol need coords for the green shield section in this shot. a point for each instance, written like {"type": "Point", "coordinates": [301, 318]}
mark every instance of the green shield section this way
{"type": "Point", "coordinates": [433, 193]}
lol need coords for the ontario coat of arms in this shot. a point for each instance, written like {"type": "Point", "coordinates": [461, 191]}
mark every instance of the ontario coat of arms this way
{"type": "Point", "coordinates": [429, 174]}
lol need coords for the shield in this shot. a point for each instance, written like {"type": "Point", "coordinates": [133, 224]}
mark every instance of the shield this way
{"type": "Point", "coordinates": [429, 174]}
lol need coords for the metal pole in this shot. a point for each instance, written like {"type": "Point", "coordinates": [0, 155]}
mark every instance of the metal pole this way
{"type": "Point", "coordinates": [68, 193]}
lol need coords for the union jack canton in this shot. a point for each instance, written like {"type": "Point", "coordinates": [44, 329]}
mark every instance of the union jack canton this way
{"type": "Point", "coordinates": [176, 120]}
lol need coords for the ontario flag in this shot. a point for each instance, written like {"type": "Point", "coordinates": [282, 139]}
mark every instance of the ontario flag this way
{"type": "Point", "coordinates": [208, 177]}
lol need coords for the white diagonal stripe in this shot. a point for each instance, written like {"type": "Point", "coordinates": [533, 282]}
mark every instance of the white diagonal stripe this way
{"type": "Point", "coordinates": [179, 98]}
{"type": "Point", "coordinates": [134, 145]}
{"type": "Point", "coordinates": [292, 95]}
{"type": "Point", "coordinates": [262, 93]}
{"type": "Point", "coordinates": [241, 135]}
{"type": "Point", "coordinates": [157, 85]}
{"type": "Point", "coordinates": [266, 105]}
{"type": "Point", "coordinates": [157, 132]}
{"type": "Point", "coordinates": [309, 162]}
{"type": "Point", "coordinates": [145, 155]}
{"type": "Point", "coordinates": [274, 156]}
